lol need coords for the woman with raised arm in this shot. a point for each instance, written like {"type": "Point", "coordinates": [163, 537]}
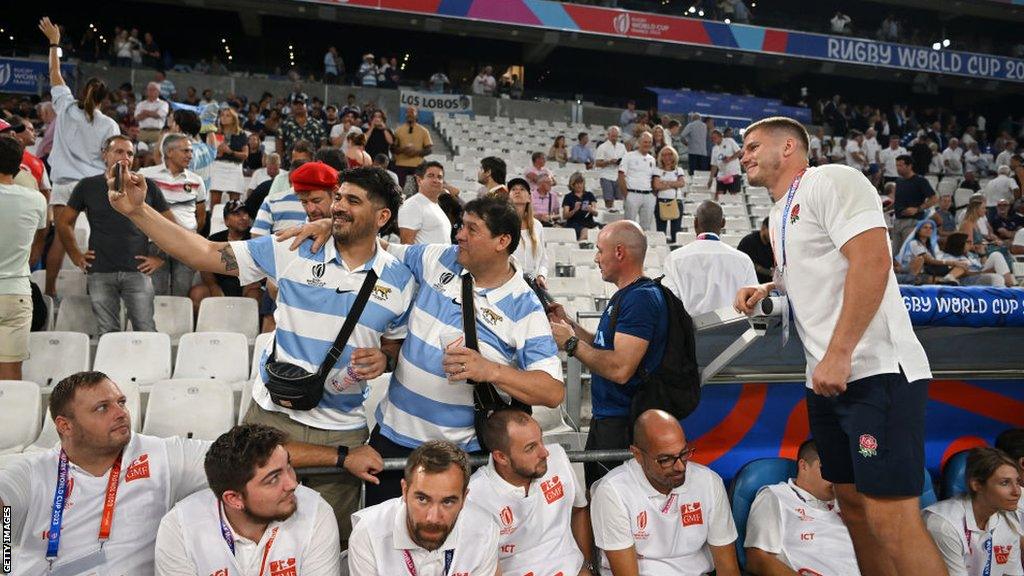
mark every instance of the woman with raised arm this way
{"type": "Point", "coordinates": [80, 134]}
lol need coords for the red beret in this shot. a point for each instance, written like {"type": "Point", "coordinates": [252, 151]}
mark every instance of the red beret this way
{"type": "Point", "coordinates": [314, 176]}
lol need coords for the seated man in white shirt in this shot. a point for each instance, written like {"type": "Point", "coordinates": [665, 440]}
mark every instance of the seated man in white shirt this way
{"type": "Point", "coordinates": [430, 528]}
{"type": "Point", "coordinates": [255, 518]}
{"type": "Point", "coordinates": [421, 219]}
{"type": "Point", "coordinates": [660, 513]}
{"type": "Point", "coordinates": [706, 273]}
{"type": "Point", "coordinates": [795, 526]}
{"type": "Point", "coordinates": [531, 492]}
{"type": "Point", "coordinates": [96, 441]}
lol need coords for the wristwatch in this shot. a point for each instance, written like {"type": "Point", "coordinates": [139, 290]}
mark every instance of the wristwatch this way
{"type": "Point", "coordinates": [342, 454]}
{"type": "Point", "coordinates": [570, 346]}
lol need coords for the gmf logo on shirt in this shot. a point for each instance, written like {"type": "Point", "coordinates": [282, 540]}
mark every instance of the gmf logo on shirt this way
{"type": "Point", "coordinates": [221, 572]}
{"type": "Point", "coordinates": [1002, 553]}
{"type": "Point", "coordinates": [553, 489]}
{"type": "Point", "coordinates": [691, 513]}
{"type": "Point", "coordinates": [283, 568]}
{"type": "Point", "coordinates": [138, 469]}
{"type": "Point", "coordinates": [507, 521]}
{"type": "Point", "coordinates": [641, 526]}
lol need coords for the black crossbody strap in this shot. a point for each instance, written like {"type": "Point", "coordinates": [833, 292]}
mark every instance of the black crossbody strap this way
{"type": "Point", "coordinates": [485, 397]}
{"type": "Point", "coordinates": [350, 322]}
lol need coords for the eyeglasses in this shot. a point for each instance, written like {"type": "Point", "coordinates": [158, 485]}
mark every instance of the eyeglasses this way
{"type": "Point", "coordinates": [667, 462]}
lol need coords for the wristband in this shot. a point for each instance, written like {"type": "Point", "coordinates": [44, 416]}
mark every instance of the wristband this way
{"type": "Point", "coordinates": [54, 45]}
{"type": "Point", "coordinates": [342, 455]}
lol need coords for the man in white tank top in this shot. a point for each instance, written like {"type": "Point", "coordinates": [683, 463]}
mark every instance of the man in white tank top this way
{"type": "Point", "coordinates": [795, 526]}
{"type": "Point", "coordinates": [661, 514]}
{"type": "Point", "coordinates": [430, 530]}
{"type": "Point", "coordinates": [539, 504]}
{"type": "Point", "coordinates": [254, 519]}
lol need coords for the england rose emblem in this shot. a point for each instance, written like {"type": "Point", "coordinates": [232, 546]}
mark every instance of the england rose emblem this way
{"type": "Point", "coordinates": [868, 445]}
{"type": "Point", "coordinates": [794, 214]}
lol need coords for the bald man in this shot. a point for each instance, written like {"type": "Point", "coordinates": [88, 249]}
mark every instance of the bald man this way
{"type": "Point", "coordinates": [867, 374]}
{"type": "Point", "coordinates": [706, 273]}
{"type": "Point", "coordinates": [660, 513]}
{"type": "Point", "coordinates": [630, 335]}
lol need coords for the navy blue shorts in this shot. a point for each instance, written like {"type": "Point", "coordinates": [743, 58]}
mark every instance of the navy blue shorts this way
{"type": "Point", "coordinates": [872, 435]}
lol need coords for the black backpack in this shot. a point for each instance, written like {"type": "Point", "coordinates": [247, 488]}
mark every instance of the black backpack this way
{"type": "Point", "coordinates": [675, 386]}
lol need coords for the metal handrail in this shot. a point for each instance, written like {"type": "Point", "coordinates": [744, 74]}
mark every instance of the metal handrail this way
{"type": "Point", "coordinates": [392, 464]}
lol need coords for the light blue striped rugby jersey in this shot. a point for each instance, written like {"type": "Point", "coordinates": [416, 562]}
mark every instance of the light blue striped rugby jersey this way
{"type": "Point", "coordinates": [512, 329]}
{"type": "Point", "coordinates": [278, 212]}
{"type": "Point", "coordinates": [311, 311]}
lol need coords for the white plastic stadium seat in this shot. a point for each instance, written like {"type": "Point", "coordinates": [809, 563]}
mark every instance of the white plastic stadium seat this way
{"type": "Point", "coordinates": [21, 403]}
{"type": "Point", "coordinates": [140, 357]}
{"type": "Point", "coordinates": [54, 356]}
{"type": "Point", "coordinates": [48, 437]}
{"type": "Point", "coordinates": [229, 314]}
{"type": "Point", "coordinates": [559, 236]}
{"type": "Point", "coordinates": [173, 316]}
{"type": "Point", "coordinates": [263, 342]}
{"type": "Point", "coordinates": [192, 408]}
{"type": "Point", "coordinates": [75, 315]}
{"type": "Point", "coordinates": [220, 356]}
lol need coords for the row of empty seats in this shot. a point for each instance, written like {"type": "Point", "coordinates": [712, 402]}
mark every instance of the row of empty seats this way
{"type": "Point", "coordinates": [172, 315]}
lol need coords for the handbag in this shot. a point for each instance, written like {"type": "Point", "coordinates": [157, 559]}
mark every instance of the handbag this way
{"type": "Point", "coordinates": [293, 387]}
{"type": "Point", "coordinates": [486, 400]}
{"type": "Point", "coordinates": [668, 209]}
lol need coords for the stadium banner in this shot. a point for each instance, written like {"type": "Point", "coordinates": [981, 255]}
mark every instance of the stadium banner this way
{"type": "Point", "coordinates": [615, 22]}
{"type": "Point", "coordinates": [20, 76]}
{"type": "Point", "coordinates": [970, 307]}
{"type": "Point", "coordinates": [735, 111]}
{"type": "Point", "coordinates": [430, 101]}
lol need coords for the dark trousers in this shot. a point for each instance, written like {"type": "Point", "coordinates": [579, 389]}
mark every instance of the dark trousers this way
{"type": "Point", "coordinates": [391, 480]}
{"type": "Point", "coordinates": [697, 162]}
{"type": "Point", "coordinates": [605, 434]}
{"type": "Point", "coordinates": [403, 172]}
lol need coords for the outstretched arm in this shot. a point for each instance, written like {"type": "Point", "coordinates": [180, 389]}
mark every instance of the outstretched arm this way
{"type": "Point", "coordinates": [192, 249]}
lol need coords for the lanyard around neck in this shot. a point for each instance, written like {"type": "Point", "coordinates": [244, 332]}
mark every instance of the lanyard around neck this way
{"type": "Point", "coordinates": [60, 500]}
{"type": "Point", "coordinates": [229, 537]}
{"type": "Point", "coordinates": [411, 567]}
{"type": "Point", "coordinates": [785, 212]}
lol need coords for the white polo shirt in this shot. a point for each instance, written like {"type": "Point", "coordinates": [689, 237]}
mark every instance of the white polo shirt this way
{"type": "Point", "coordinates": [871, 149]}
{"type": "Point", "coordinates": [190, 541]}
{"type": "Point", "coordinates": [955, 160]}
{"type": "Point", "coordinates": [671, 532]}
{"type": "Point", "coordinates": [888, 157]}
{"type": "Point", "coordinates": [669, 176]}
{"type": "Point", "coordinates": [706, 274]}
{"type": "Point", "coordinates": [315, 294]}
{"type": "Point", "coordinates": [638, 169]}
{"type": "Point", "coordinates": [380, 542]}
{"type": "Point", "coordinates": [999, 188]}
{"type": "Point", "coordinates": [608, 151]}
{"type": "Point", "coordinates": [155, 474]}
{"type": "Point", "coordinates": [183, 191]}
{"type": "Point", "coordinates": [833, 204]}
{"type": "Point", "coordinates": [531, 256]}
{"type": "Point", "coordinates": [968, 550]}
{"type": "Point", "coordinates": [161, 107]}
{"type": "Point", "coordinates": [535, 535]}
{"type": "Point", "coordinates": [431, 224]}
{"type": "Point", "coordinates": [804, 533]}
{"type": "Point", "coordinates": [852, 147]}
{"type": "Point", "coordinates": [720, 152]}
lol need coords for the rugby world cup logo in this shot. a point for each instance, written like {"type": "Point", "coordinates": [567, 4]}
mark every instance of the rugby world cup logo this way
{"type": "Point", "coordinates": [621, 23]}
{"type": "Point", "coordinates": [5, 74]}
